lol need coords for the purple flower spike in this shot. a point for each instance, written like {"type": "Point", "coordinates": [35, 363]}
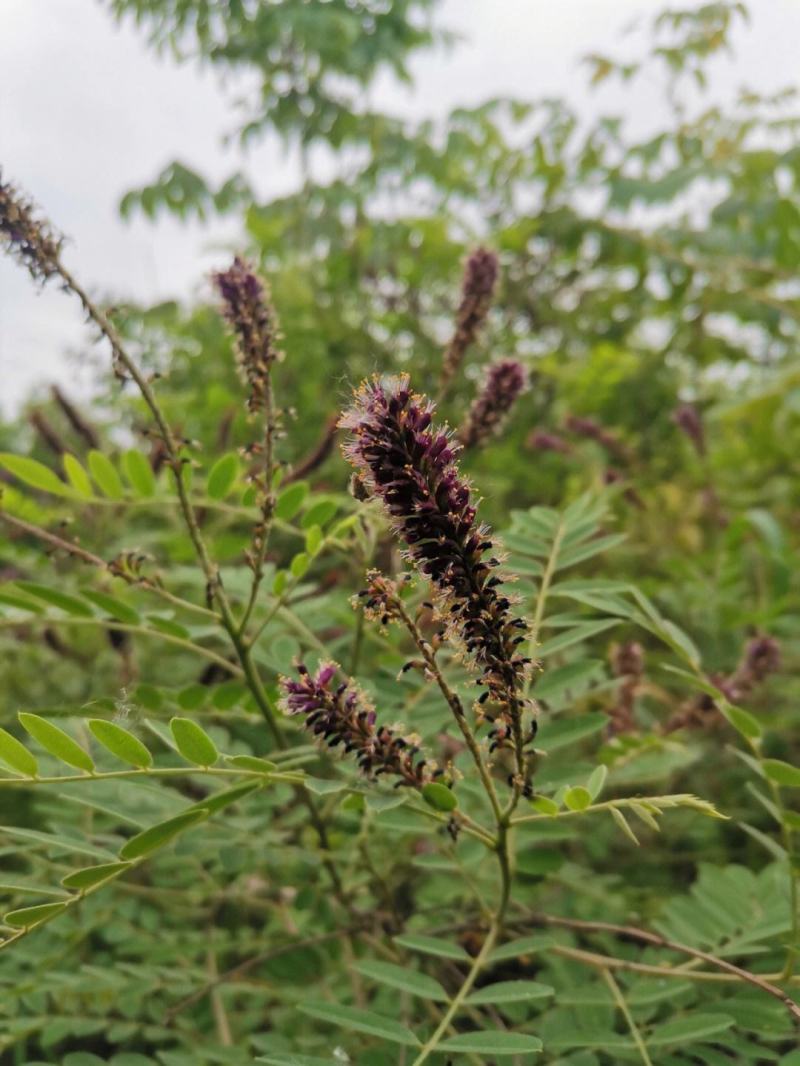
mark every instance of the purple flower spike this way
{"type": "Point", "coordinates": [341, 714]}
{"type": "Point", "coordinates": [408, 463]}
{"type": "Point", "coordinates": [687, 418]}
{"type": "Point", "coordinates": [502, 386]}
{"type": "Point", "coordinates": [246, 306]}
{"type": "Point", "coordinates": [477, 288]}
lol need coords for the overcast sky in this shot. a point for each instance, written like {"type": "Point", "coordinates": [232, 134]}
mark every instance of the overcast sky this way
{"type": "Point", "coordinates": [87, 112]}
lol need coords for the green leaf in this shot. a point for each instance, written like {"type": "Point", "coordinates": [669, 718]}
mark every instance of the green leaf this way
{"type": "Point", "coordinates": [520, 947]}
{"type": "Point", "coordinates": [574, 635]}
{"type": "Point", "coordinates": [290, 500]}
{"type": "Point", "coordinates": [30, 916]}
{"type": "Point", "coordinates": [299, 565]}
{"type": "Point", "coordinates": [782, 773]}
{"type": "Point", "coordinates": [20, 602]}
{"type": "Point", "coordinates": [432, 945]}
{"type": "Point", "coordinates": [597, 781]}
{"type": "Point", "coordinates": [510, 992]}
{"type": "Point", "coordinates": [158, 835]}
{"type": "Point", "coordinates": [90, 876]}
{"type": "Point", "coordinates": [251, 763]}
{"type": "Point", "coordinates": [139, 473]}
{"type": "Point", "coordinates": [490, 1042]}
{"type": "Point", "coordinates": [558, 734]}
{"type": "Point", "coordinates": [545, 805]}
{"type": "Point", "coordinates": [324, 786]}
{"type": "Point", "coordinates": [16, 755]}
{"type": "Point", "coordinates": [222, 476]}
{"type": "Point", "coordinates": [403, 978]}
{"type": "Point", "coordinates": [361, 1021]}
{"type": "Point", "coordinates": [578, 798]}
{"type": "Point", "coordinates": [690, 1028]}
{"type": "Point", "coordinates": [742, 721]}
{"type": "Point", "coordinates": [319, 513]}
{"type": "Point", "coordinates": [69, 604]}
{"type": "Point", "coordinates": [56, 741]}
{"type": "Point", "coordinates": [623, 824]}
{"type": "Point", "coordinates": [194, 744]}
{"type": "Point", "coordinates": [439, 796]}
{"type": "Point", "coordinates": [218, 801]}
{"type": "Point", "coordinates": [120, 742]}
{"type": "Point", "coordinates": [32, 472]}
{"type": "Point", "coordinates": [105, 475]}
{"type": "Point", "coordinates": [77, 476]}
{"type": "Point", "coordinates": [111, 605]}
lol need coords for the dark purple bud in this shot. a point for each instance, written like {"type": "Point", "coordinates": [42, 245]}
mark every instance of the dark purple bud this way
{"type": "Point", "coordinates": [503, 384]}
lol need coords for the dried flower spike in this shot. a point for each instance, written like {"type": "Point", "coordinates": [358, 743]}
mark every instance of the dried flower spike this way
{"type": "Point", "coordinates": [339, 713]}
{"type": "Point", "coordinates": [409, 465]}
{"type": "Point", "coordinates": [29, 239]}
{"type": "Point", "coordinates": [502, 386]}
{"type": "Point", "coordinates": [477, 287]}
{"type": "Point", "coordinates": [246, 306]}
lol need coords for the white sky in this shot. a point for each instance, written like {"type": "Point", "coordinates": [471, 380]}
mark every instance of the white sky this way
{"type": "Point", "coordinates": [87, 112]}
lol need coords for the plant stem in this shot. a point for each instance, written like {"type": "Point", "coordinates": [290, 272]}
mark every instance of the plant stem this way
{"type": "Point", "coordinates": [619, 999]}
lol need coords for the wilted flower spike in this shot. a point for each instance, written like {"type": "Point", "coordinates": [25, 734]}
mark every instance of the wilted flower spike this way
{"type": "Point", "coordinates": [30, 240]}
{"type": "Point", "coordinates": [477, 287]}
{"type": "Point", "coordinates": [246, 306]}
{"type": "Point", "coordinates": [339, 713]}
{"type": "Point", "coordinates": [502, 386]}
{"type": "Point", "coordinates": [409, 465]}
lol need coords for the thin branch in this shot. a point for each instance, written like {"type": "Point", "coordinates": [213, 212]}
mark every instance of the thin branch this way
{"type": "Point", "coordinates": [643, 935]}
{"type": "Point", "coordinates": [619, 999]}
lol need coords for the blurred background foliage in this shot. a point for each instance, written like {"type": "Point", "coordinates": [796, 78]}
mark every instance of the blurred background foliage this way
{"type": "Point", "coordinates": [649, 287]}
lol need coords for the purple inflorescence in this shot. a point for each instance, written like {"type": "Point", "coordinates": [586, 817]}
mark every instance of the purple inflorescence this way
{"type": "Point", "coordinates": [409, 465]}
{"type": "Point", "coordinates": [246, 306]}
{"type": "Point", "coordinates": [503, 384]}
{"type": "Point", "coordinates": [687, 418]}
{"type": "Point", "coordinates": [477, 287]}
{"type": "Point", "coordinates": [339, 713]}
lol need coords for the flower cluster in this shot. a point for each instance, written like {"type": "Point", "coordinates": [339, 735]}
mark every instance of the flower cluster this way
{"type": "Point", "coordinates": [687, 418]}
{"type": "Point", "coordinates": [408, 464]}
{"type": "Point", "coordinates": [503, 384]}
{"type": "Point", "coordinates": [339, 713]}
{"type": "Point", "coordinates": [28, 238]}
{"type": "Point", "coordinates": [477, 287]}
{"type": "Point", "coordinates": [760, 658]}
{"type": "Point", "coordinates": [246, 307]}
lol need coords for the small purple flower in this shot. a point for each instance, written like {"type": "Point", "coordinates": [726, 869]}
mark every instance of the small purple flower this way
{"type": "Point", "coordinates": [503, 384]}
{"type": "Point", "coordinates": [29, 239]}
{"type": "Point", "coordinates": [687, 418]}
{"type": "Point", "coordinates": [246, 306]}
{"type": "Point", "coordinates": [477, 288]}
{"type": "Point", "coordinates": [408, 463]}
{"type": "Point", "coordinates": [341, 714]}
